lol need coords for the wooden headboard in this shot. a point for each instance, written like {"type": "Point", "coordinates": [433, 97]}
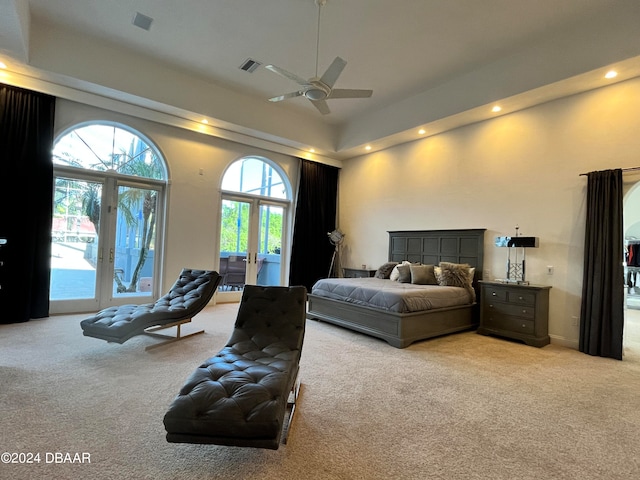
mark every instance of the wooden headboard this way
{"type": "Point", "coordinates": [430, 247]}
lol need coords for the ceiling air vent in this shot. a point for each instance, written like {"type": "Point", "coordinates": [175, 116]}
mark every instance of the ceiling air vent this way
{"type": "Point", "coordinates": [249, 65]}
{"type": "Point", "coordinates": [142, 21]}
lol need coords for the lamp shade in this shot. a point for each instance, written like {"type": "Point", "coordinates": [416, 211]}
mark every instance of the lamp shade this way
{"type": "Point", "coordinates": [525, 242]}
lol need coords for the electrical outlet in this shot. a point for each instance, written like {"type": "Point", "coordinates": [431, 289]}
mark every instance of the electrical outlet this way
{"type": "Point", "coordinates": [574, 321]}
{"type": "Point", "coordinates": [549, 270]}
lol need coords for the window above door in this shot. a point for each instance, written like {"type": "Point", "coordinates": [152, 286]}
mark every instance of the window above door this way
{"type": "Point", "coordinates": [109, 147]}
{"type": "Point", "coordinates": [255, 176]}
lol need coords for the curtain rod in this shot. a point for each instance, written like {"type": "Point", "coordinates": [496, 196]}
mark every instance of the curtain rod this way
{"type": "Point", "coordinates": [623, 169]}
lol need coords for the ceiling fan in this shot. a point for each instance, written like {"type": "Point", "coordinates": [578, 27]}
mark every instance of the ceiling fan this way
{"type": "Point", "coordinates": [319, 89]}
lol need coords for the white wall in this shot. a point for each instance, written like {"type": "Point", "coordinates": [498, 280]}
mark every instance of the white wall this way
{"type": "Point", "coordinates": [193, 215]}
{"type": "Point", "coordinates": [518, 169]}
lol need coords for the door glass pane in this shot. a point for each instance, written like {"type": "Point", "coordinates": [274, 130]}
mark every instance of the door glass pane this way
{"type": "Point", "coordinates": [135, 235]}
{"type": "Point", "coordinates": [234, 240]}
{"type": "Point", "coordinates": [270, 245]}
{"type": "Point", "coordinates": [74, 234]}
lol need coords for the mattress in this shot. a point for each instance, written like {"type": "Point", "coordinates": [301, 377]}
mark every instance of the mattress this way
{"type": "Point", "coordinates": [390, 295]}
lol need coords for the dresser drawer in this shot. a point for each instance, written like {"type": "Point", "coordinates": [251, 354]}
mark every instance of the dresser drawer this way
{"type": "Point", "coordinates": [495, 295]}
{"type": "Point", "coordinates": [521, 298]}
{"type": "Point", "coordinates": [501, 321]}
{"type": "Point", "coordinates": [522, 311]}
{"type": "Point", "coordinates": [509, 296]}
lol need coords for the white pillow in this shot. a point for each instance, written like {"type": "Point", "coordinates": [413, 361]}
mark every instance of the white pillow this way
{"type": "Point", "coordinates": [395, 274]}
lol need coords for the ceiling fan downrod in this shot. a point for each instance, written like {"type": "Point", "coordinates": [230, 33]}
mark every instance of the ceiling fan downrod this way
{"type": "Point", "coordinates": [320, 4]}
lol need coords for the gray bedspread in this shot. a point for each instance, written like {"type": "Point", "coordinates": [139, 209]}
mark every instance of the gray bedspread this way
{"type": "Point", "coordinates": [390, 295]}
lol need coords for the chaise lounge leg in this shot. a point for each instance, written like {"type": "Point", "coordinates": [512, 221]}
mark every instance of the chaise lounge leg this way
{"type": "Point", "coordinates": [291, 402]}
{"type": "Point", "coordinates": [170, 338]}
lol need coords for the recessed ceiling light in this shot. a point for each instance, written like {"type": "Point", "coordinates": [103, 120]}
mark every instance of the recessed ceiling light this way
{"type": "Point", "coordinates": [205, 121]}
{"type": "Point", "coordinates": [496, 109]}
{"type": "Point", "coordinates": [611, 74]}
{"type": "Point", "coordinates": [422, 131]}
{"type": "Point", "coordinates": [368, 147]}
{"type": "Point", "coordinates": [3, 65]}
{"type": "Point", "coordinates": [312, 150]}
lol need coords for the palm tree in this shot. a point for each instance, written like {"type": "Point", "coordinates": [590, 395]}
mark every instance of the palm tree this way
{"type": "Point", "coordinates": [129, 200]}
{"type": "Point", "coordinates": [132, 200]}
{"type": "Point", "coordinates": [91, 193]}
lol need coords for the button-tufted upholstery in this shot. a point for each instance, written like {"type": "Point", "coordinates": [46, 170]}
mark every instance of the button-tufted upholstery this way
{"type": "Point", "coordinates": [239, 396]}
{"type": "Point", "coordinates": [189, 295]}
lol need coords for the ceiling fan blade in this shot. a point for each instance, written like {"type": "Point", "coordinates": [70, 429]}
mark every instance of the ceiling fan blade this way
{"type": "Point", "coordinates": [333, 72]}
{"type": "Point", "coordinates": [279, 98]}
{"type": "Point", "coordinates": [349, 93]}
{"type": "Point", "coordinates": [322, 106]}
{"type": "Point", "coordinates": [289, 75]}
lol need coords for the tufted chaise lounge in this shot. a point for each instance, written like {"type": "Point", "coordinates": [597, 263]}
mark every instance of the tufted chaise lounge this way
{"type": "Point", "coordinates": [191, 292]}
{"type": "Point", "coordinates": [240, 396]}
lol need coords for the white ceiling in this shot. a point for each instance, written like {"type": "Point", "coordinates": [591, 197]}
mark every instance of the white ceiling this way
{"type": "Point", "coordinates": [431, 63]}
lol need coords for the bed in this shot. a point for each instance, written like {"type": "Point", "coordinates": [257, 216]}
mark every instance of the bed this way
{"type": "Point", "coordinates": [400, 316]}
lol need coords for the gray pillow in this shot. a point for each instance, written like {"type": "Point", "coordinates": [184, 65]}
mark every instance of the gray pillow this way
{"type": "Point", "coordinates": [457, 275]}
{"type": "Point", "coordinates": [423, 275]}
{"type": "Point", "coordinates": [384, 271]}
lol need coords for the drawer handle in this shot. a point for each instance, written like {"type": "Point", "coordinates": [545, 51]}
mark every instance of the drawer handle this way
{"type": "Point", "coordinates": [524, 325]}
{"type": "Point", "coordinates": [524, 311]}
{"type": "Point", "coordinates": [493, 293]}
{"type": "Point", "coordinates": [520, 298]}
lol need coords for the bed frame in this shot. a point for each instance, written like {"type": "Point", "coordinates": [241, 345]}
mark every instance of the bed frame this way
{"type": "Point", "coordinates": [401, 329]}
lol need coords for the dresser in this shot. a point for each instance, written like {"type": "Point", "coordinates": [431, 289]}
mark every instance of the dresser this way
{"type": "Point", "coordinates": [520, 312]}
{"type": "Point", "coordinates": [358, 272]}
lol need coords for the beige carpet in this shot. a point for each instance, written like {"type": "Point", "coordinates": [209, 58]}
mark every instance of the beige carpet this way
{"type": "Point", "coordinates": [463, 406]}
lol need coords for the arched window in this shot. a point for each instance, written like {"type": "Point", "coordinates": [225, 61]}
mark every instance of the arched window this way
{"type": "Point", "coordinates": [110, 184]}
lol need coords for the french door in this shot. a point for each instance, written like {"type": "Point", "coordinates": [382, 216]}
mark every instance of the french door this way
{"type": "Point", "coordinates": [104, 242]}
{"type": "Point", "coordinates": [252, 244]}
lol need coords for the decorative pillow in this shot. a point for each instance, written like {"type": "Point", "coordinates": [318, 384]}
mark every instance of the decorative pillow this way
{"type": "Point", "coordinates": [457, 275]}
{"type": "Point", "coordinates": [385, 270]}
{"type": "Point", "coordinates": [423, 275]}
{"type": "Point", "coordinates": [404, 271]}
{"type": "Point", "coordinates": [395, 274]}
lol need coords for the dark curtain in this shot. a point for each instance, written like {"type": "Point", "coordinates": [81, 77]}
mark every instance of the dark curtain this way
{"type": "Point", "coordinates": [26, 196]}
{"type": "Point", "coordinates": [316, 208]}
{"type": "Point", "coordinates": [602, 310]}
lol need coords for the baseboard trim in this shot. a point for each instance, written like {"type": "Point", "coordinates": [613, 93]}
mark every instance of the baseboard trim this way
{"type": "Point", "coordinates": [563, 342]}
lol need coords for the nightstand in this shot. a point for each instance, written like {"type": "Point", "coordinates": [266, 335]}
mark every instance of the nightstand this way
{"type": "Point", "coordinates": [358, 273]}
{"type": "Point", "coordinates": [520, 312]}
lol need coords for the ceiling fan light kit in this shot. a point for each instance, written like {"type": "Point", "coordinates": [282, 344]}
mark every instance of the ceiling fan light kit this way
{"type": "Point", "coordinates": [315, 89]}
